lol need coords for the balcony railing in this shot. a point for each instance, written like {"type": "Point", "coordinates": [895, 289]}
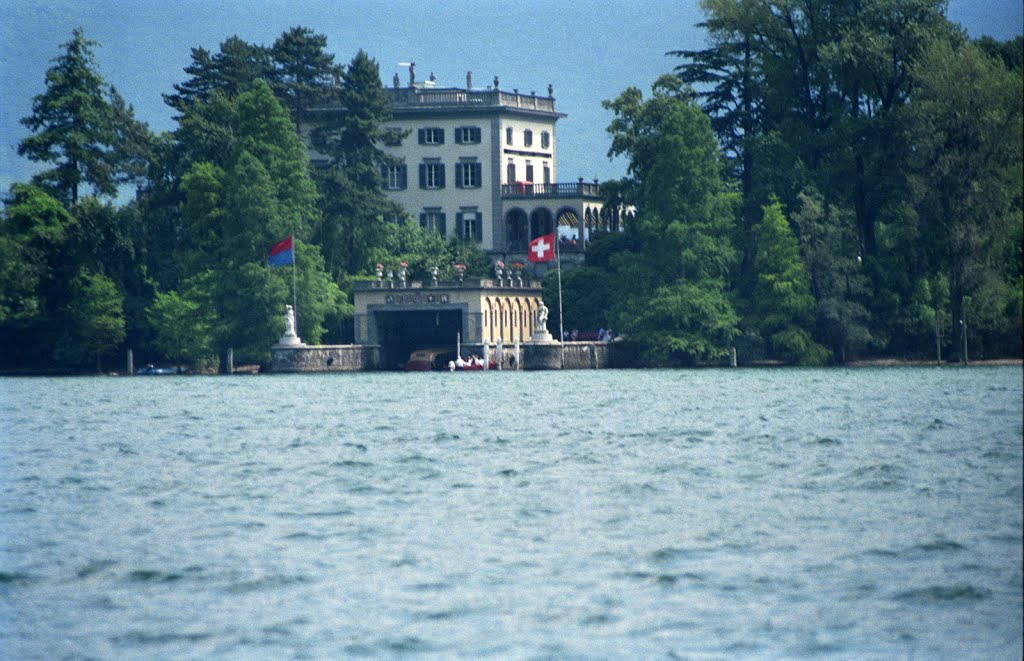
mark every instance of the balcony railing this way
{"type": "Point", "coordinates": [522, 189]}
{"type": "Point", "coordinates": [406, 97]}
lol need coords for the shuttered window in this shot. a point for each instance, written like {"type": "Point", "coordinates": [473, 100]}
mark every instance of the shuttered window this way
{"type": "Point", "coordinates": [431, 136]}
{"type": "Point", "coordinates": [431, 175]}
{"type": "Point", "coordinates": [470, 225]}
{"type": "Point", "coordinates": [467, 174]}
{"type": "Point", "coordinates": [433, 220]}
{"type": "Point", "coordinates": [467, 135]}
{"type": "Point", "coordinates": [394, 177]}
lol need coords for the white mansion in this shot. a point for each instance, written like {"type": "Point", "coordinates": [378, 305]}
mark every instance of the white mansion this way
{"type": "Point", "coordinates": [480, 164]}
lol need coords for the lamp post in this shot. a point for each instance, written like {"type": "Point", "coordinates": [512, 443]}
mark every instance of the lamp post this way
{"type": "Point", "coordinates": [963, 336]}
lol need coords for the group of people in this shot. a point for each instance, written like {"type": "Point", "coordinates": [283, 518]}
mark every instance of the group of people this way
{"type": "Point", "coordinates": [472, 361]}
{"type": "Point", "coordinates": [576, 336]}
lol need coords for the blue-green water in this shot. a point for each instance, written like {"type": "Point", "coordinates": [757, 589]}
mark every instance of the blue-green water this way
{"type": "Point", "coordinates": [710, 513]}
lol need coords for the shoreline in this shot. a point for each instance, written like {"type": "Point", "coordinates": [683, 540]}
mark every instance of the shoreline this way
{"type": "Point", "coordinates": [248, 370]}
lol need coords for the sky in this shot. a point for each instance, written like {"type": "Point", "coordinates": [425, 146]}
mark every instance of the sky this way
{"type": "Point", "coordinates": [589, 50]}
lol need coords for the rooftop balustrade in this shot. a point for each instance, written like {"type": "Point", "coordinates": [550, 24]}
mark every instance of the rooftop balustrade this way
{"type": "Point", "coordinates": [423, 97]}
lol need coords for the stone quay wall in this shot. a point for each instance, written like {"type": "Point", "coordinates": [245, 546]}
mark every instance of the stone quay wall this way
{"type": "Point", "coordinates": [366, 357]}
{"type": "Point", "coordinates": [325, 358]}
{"type": "Point", "coordinates": [587, 355]}
{"type": "Point", "coordinates": [549, 355]}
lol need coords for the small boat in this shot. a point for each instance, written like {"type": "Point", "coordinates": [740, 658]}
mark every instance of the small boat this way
{"type": "Point", "coordinates": [149, 370]}
{"type": "Point", "coordinates": [426, 360]}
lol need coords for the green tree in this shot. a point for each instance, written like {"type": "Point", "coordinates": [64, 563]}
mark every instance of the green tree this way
{"type": "Point", "coordinates": [183, 327]}
{"type": "Point", "coordinates": [671, 291]}
{"type": "Point", "coordinates": [782, 307]}
{"type": "Point", "coordinates": [85, 130]}
{"type": "Point", "coordinates": [250, 190]}
{"type": "Point", "coordinates": [94, 321]}
{"type": "Point", "coordinates": [34, 230]}
{"type": "Point", "coordinates": [729, 75]}
{"type": "Point", "coordinates": [967, 130]}
{"type": "Point", "coordinates": [304, 72]}
{"type": "Point", "coordinates": [358, 217]}
{"type": "Point", "coordinates": [586, 298]}
{"type": "Point", "coordinates": [830, 247]}
{"type": "Point", "coordinates": [233, 69]}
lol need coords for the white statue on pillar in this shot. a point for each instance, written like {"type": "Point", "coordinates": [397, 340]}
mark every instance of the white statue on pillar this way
{"type": "Point", "coordinates": [540, 330]}
{"type": "Point", "coordinates": [289, 338]}
{"type": "Point", "coordinates": [542, 317]}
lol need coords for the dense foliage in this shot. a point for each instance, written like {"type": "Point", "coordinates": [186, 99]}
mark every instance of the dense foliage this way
{"type": "Point", "coordinates": [876, 153]}
{"type": "Point", "coordinates": [180, 273]}
{"type": "Point", "coordinates": [826, 180]}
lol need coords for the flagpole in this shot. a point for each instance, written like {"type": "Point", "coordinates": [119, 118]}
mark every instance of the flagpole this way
{"type": "Point", "coordinates": [295, 279]}
{"type": "Point", "coordinates": [561, 329]}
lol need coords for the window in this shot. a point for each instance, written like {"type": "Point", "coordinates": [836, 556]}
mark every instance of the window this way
{"type": "Point", "coordinates": [510, 173]}
{"type": "Point", "coordinates": [528, 137]}
{"type": "Point", "coordinates": [545, 139]}
{"type": "Point", "coordinates": [508, 135]}
{"type": "Point", "coordinates": [467, 135]}
{"type": "Point", "coordinates": [467, 174]}
{"type": "Point", "coordinates": [529, 171]}
{"type": "Point", "coordinates": [432, 174]}
{"type": "Point", "coordinates": [470, 225]}
{"type": "Point", "coordinates": [431, 136]}
{"type": "Point", "coordinates": [394, 177]}
{"type": "Point", "coordinates": [547, 173]}
{"type": "Point", "coordinates": [433, 220]}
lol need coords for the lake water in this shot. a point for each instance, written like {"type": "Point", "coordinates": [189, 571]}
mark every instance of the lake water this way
{"type": "Point", "coordinates": [697, 514]}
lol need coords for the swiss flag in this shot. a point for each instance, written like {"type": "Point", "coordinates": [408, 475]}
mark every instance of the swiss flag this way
{"type": "Point", "coordinates": [542, 249]}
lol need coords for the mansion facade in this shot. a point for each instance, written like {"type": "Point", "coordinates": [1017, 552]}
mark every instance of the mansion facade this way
{"type": "Point", "coordinates": [480, 165]}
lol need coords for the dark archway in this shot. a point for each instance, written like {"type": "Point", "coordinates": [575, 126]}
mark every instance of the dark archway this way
{"type": "Point", "coordinates": [516, 230]}
{"type": "Point", "coordinates": [541, 223]}
{"type": "Point", "coordinates": [400, 332]}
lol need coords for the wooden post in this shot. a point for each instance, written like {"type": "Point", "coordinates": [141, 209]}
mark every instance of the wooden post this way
{"type": "Point", "coordinates": [130, 363]}
{"type": "Point", "coordinates": [963, 332]}
{"type": "Point", "coordinates": [732, 357]}
{"type": "Point", "coordinates": [231, 361]}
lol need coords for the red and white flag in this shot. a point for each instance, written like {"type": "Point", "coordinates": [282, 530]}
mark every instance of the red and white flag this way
{"type": "Point", "coordinates": [542, 249]}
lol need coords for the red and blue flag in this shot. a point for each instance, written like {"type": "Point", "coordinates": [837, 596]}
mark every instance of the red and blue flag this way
{"type": "Point", "coordinates": [281, 254]}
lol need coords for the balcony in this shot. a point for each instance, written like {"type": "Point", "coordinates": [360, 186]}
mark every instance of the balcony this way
{"type": "Point", "coordinates": [526, 190]}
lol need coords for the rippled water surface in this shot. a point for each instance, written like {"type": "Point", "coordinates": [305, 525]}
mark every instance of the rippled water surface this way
{"type": "Point", "coordinates": [717, 513]}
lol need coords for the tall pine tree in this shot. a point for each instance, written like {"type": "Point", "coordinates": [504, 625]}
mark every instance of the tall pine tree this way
{"type": "Point", "coordinates": [82, 127]}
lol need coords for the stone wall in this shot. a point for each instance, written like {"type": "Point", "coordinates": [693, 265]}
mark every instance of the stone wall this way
{"type": "Point", "coordinates": [586, 355]}
{"type": "Point", "coordinates": [366, 357]}
{"type": "Point", "coordinates": [325, 358]}
{"type": "Point", "coordinates": [548, 355]}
